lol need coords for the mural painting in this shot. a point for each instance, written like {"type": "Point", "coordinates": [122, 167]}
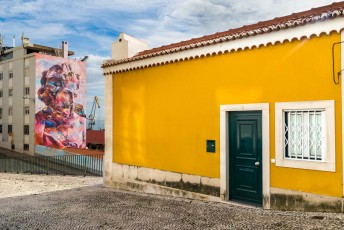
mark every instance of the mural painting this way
{"type": "Point", "coordinates": [60, 119]}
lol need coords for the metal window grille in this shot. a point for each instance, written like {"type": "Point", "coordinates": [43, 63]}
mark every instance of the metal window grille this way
{"type": "Point", "coordinates": [27, 91]}
{"type": "Point", "coordinates": [304, 135]}
{"type": "Point", "coordinates": [10, 75]}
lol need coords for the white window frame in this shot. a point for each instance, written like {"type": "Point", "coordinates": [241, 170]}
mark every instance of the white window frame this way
{"type": "Point", "coordinates": [328, 163]}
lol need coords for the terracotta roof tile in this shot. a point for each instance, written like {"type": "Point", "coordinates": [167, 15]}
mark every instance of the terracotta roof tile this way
{"type": "Point", "coordinates": [290, 21]}
{"type": "Point", "coordinates": [95, 136]}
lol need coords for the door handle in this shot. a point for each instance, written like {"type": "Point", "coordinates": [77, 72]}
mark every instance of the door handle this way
{"type": "Point", "coordinates": [257, 163]}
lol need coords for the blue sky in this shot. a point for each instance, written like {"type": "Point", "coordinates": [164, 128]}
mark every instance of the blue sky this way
{"type": "Point", "coordinates": [90, 26]}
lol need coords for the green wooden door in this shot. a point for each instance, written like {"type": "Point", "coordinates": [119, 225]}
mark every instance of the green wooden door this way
{"type": "Point", "coordinates": [245, 157]}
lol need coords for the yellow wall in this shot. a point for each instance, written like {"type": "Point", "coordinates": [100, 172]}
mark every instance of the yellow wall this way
{"type": "Point", "coordinates": [164, 115]}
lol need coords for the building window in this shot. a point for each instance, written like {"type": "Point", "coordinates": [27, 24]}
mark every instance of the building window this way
{"type": "Point", "coordinates": [0, 93]}
{"type": "Point", "coordinates": [10, 92]}
{"type": "Point", "coordinates": [305, 135]}
{"type": "Point", "coordinates": [1, 76]}
{"type": "Point", "coordinates": [0, 113]}
{"type": "Point", "coordinates": [9, 129]}
{"type": "Point", "coordinates": [26, 147]}
{"type": "Point", "coordinates": [10, 75]}
{"type": "Point", "coordinates": [26, 129]}
{"type": "Point", "coordinates": [0, 128]}
{"type": "Point", "coordinates": [10, 111]}
{"type": "Point", "coordinates": [27, 110]}
{"type": "Point", "coordinates": [27, 91]}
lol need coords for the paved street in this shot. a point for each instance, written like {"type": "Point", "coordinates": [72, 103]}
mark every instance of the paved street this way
{"type": "Point", "coordinates": [95, 207]}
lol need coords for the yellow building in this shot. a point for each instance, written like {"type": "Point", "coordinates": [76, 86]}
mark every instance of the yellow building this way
{"type": "Point", "coordinates": [252, 114]}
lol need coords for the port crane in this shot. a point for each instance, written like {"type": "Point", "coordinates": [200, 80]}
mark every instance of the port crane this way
{"type": "Point", "coordinates": [91, 118]}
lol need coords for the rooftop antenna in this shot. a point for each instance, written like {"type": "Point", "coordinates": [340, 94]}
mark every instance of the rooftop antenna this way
{"type": "Point", "coordinates": [25, 41]}
{"type": "Point", "coordinates": [14, 41]}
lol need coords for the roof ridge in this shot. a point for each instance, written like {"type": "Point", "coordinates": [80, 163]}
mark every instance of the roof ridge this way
{"type": "Point", "coordinates": [278, 23]}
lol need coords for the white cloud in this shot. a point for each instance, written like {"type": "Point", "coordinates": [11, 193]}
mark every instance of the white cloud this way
{"type": "Point", "coordinates": [193, 18]}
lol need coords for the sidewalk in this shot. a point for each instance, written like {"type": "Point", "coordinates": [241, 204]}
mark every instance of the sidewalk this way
{"type": "Point", "coordinates": [95, 207]}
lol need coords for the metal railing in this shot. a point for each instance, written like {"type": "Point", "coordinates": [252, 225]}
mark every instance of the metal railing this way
{"type": "Point", "coordinates": [65, 164]}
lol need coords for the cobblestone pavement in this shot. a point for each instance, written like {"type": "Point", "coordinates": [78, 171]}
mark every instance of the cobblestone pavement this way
{"type": "Point", "coordinates": [95, 207]}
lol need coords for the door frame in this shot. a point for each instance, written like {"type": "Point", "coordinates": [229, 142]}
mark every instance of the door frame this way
{"type": "Point", "coordinates": [224, 148]}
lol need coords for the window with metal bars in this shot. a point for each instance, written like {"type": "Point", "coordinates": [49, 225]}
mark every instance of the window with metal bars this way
{"type": "Point", "coordinates": [304, 134]}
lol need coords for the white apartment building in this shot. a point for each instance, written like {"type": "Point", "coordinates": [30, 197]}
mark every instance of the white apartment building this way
{"type": "Point", "coordinates": [18, 93]}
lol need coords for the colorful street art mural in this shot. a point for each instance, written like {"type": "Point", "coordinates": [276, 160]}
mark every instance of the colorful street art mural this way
{"type": "Point", "coordinates": [60, 119]}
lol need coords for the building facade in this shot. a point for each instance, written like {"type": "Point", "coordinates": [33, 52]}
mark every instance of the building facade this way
{"type": "Point", "coordinates": [252, 115]}
{"type": "Point", "coordinates": [32, 79]}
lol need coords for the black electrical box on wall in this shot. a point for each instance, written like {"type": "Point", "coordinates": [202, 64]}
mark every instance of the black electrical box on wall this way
{"type": "Point", "coordinates": [211, 146]}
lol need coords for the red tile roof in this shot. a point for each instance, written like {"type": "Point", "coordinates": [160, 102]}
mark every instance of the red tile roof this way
{"type": "Point", "coordinates": [290, 21]}
{"type": "Point", "coordinates": [95, 136]}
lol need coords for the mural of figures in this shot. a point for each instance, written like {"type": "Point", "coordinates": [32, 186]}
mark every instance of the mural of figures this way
{"type": "Point", "coordinates": [60, 119]}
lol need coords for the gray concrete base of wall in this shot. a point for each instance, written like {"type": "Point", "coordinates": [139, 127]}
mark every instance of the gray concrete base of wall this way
{"type": "Point", "coordinates": [134, 185]}
{"type": "Point", "coordinates": [281, 199]}
{"type": "Point", "coordinates": [161, 182]}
